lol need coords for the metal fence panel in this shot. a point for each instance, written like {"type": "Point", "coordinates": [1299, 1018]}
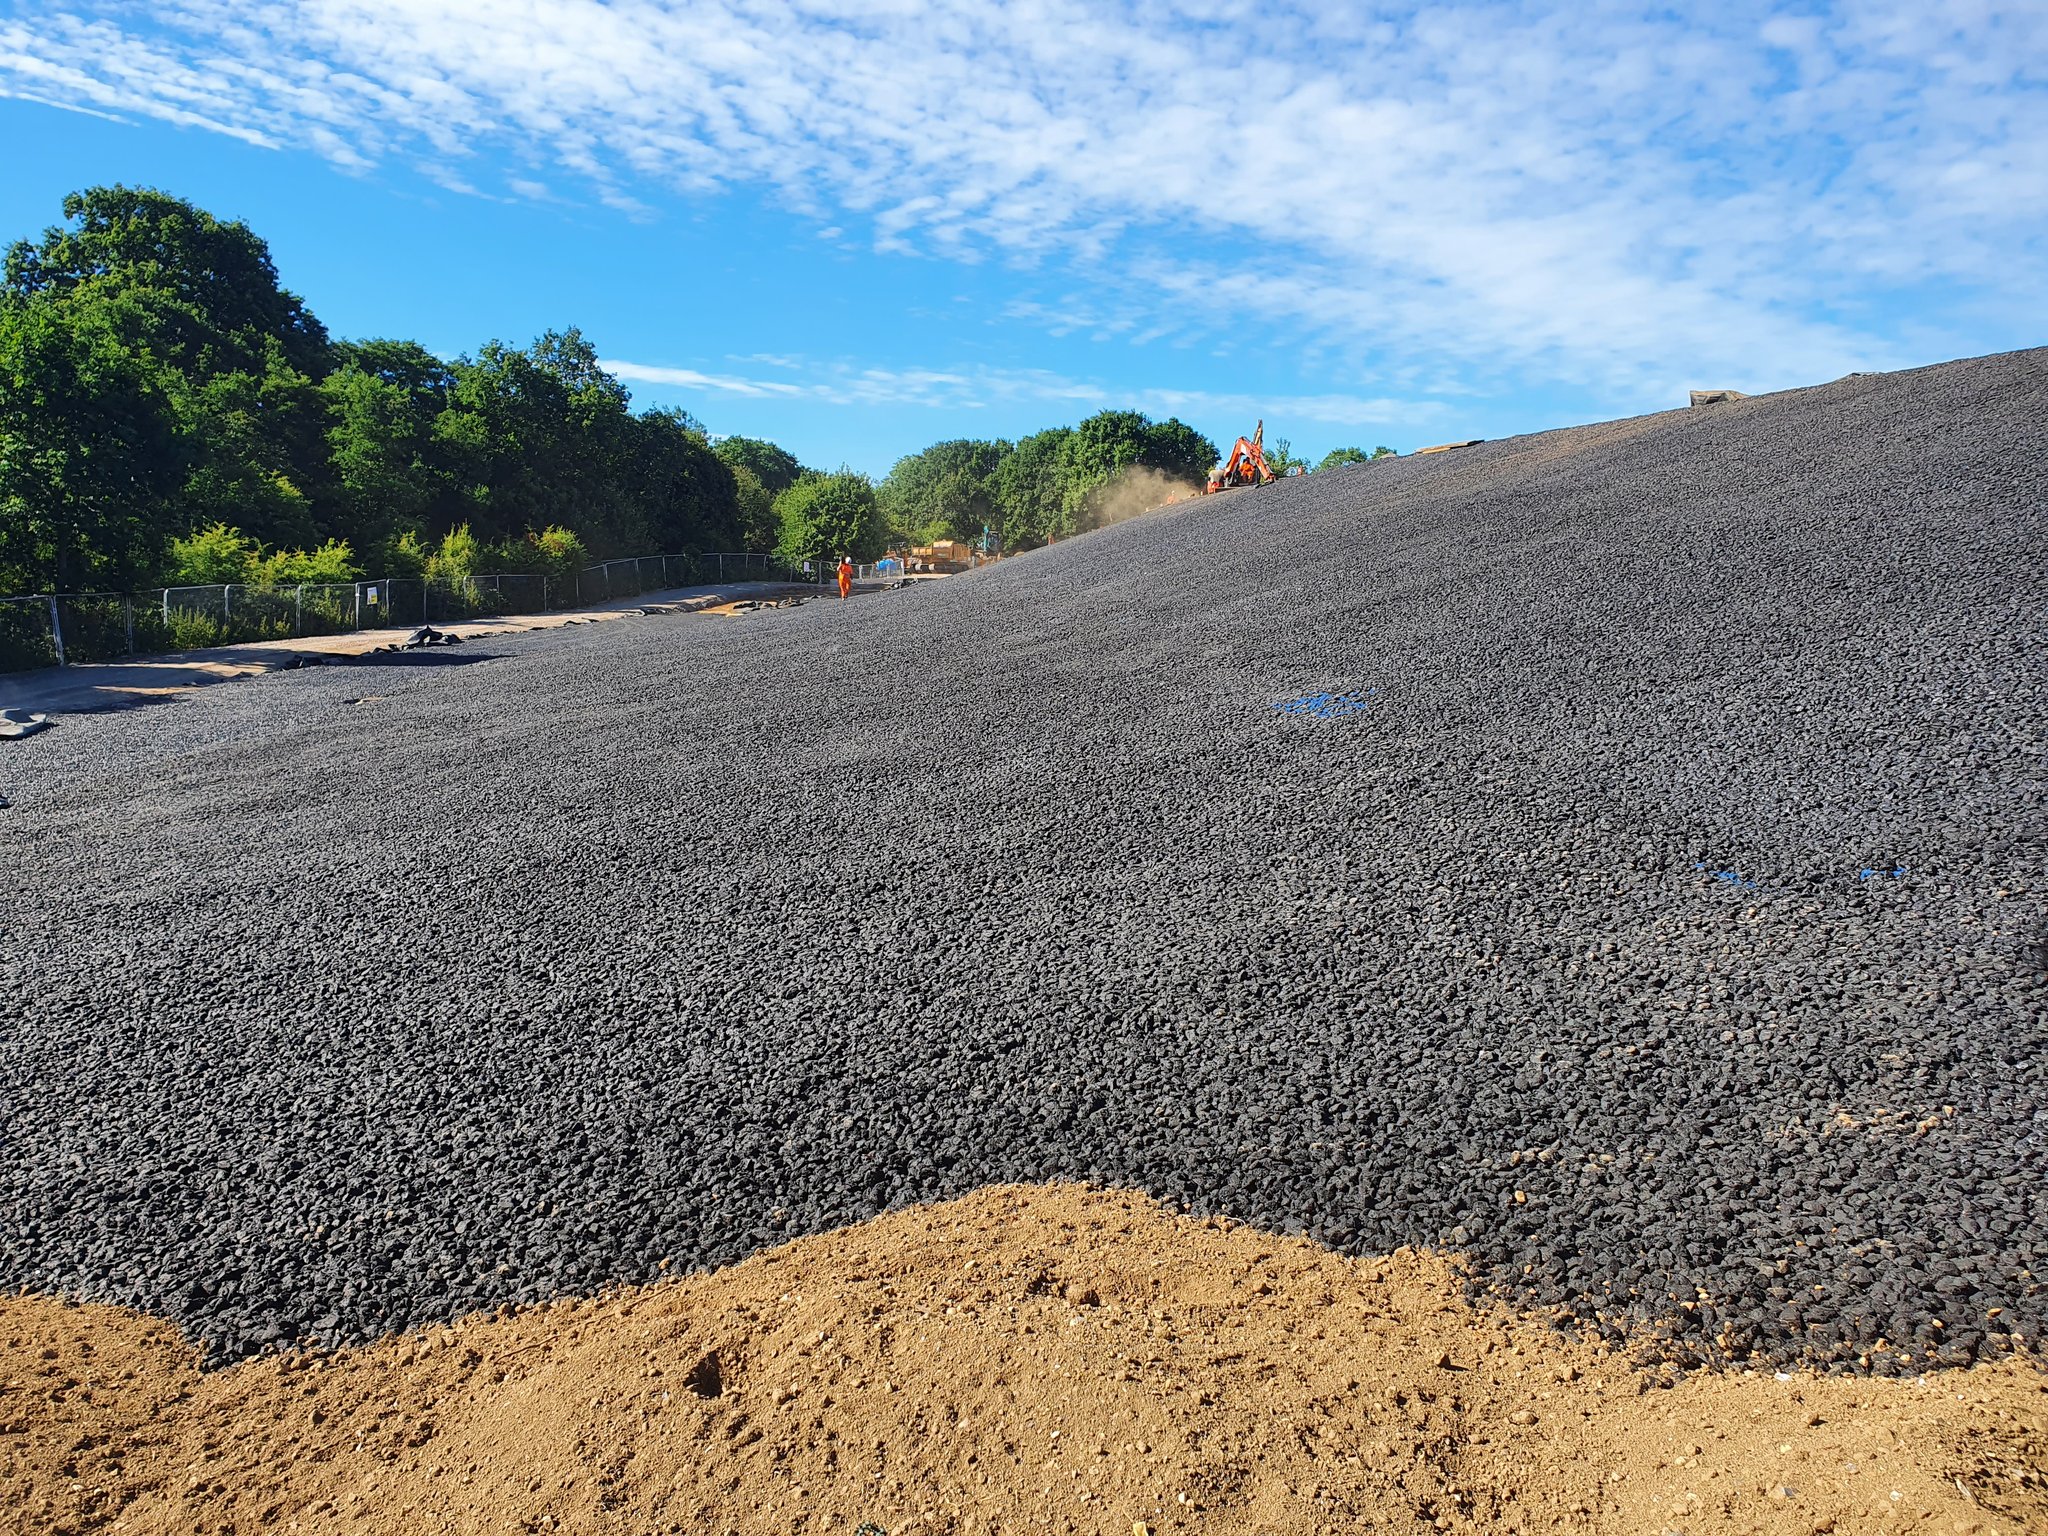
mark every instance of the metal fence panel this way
{"type": "Point", "coordinates": [46, 630]}
{"type": "Point", "coordinates": [27, 640]}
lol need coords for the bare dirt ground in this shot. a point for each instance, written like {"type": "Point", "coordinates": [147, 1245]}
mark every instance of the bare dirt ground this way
{"type": "Point", "coordinates": [1025, 1359]}
{"type": "Point", "coordinates": [88, 687]}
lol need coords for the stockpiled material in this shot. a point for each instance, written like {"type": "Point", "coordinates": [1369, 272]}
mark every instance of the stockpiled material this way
{"type": "Point", "coordinates": [1066, 1362]}
{"type": "Point", "coordinates": [1616, 855]}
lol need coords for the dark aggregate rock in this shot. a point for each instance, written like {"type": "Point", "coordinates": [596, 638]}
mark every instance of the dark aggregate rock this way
{"type": "Point", "coordinates": [1648, 901]}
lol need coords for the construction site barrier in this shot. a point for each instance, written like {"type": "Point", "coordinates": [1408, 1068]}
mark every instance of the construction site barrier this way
{"type": "Point", "coordinates": [60, 629]}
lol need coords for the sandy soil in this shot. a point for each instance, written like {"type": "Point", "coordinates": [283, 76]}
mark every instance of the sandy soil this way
{"type": "Point", "coordinates": [1041, 1359]}
{"type": "Point", "coordinates": [88, 687]}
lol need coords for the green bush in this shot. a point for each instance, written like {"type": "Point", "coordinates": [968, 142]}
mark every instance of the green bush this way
{"type": "Point", "coordinates": [189, 629]}
{"type": "Point", "coordinates": [559, 555]}
{"type": "Point", "coordinates": [222, 556]}
{"type": "Point", "coordinates": [327, 613]}
{"type": "Point", "coordinates": [456, 559]}
{"type": "Point", "coordinates": [212, 557]}
{"type": "Point", "coordinates": [826, 516]}
{"type": "Point", "coordinates": [405, 556]}
{"type": "Point", "coordinates": [333, 561]}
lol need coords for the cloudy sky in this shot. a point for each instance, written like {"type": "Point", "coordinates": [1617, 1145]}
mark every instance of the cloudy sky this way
{"type": "Point", "coordinates": [859, 227]}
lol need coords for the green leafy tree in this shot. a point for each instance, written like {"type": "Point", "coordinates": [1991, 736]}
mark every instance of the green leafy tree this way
{"type": "Point", "coordinates": [247, 466]}
{"type": "Point", "coordinates": [1178, 451]}
{"type": "Point", "coordinates": [776, 468]}
{"type": "Point", "coordinates": [406, 364]}
{"type": "Point", "coordinates": [947, 491]}
{"type": "Point", "coordinates": [236, 354]}
{"type": "Point", "coordinates": [216, 555]}
{"type": "Point", "coordinates": [512, 448]}
{"type": "Point", "coordinates": [543, 437]}
{"type": "Point", "coordinates": [381, 403]}
{"type": "Point", "coordinates": [1280, 457]}
{"type": "Point", "coordinates": [333, 561]}
{"type": "Point", "coordinates": [1109, 443]}
{"type": "Point", "coordinates": [91, 452]}
{"type": "Point", "coordinates": [758, 528]}
{"type": "Point", "coordinates": [1030, 490]}
{"type": "Point", "coordinates": [1101, 448]}
{"type": "Point", "coordinates": [1337, 456]}
{"type": "Point", "coordinates": [686, 497]}
{"type": "Point", "coordinates": [570, 358]}
{"type": "Point", "coordinates": [825, 516]}
{"type": "Point", "coordinates": [158, 384]}
{"type": "Point", "coordinates": [222, 274]}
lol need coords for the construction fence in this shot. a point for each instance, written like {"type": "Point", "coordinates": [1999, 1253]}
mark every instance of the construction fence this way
{"type": "Point", "coordinates": [56, 629]}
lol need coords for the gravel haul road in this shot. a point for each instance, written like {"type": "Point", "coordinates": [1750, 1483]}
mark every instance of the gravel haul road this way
{"type": "Point", "coordinates": [1615, 855]}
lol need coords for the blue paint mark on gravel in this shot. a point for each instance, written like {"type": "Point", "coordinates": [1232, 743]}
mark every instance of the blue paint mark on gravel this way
{"type": "Point", "coordinates": [1328, 705]}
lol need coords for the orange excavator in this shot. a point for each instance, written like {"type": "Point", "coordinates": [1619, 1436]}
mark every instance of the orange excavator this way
{"type": "Point", "coordinates": [1247, 463]}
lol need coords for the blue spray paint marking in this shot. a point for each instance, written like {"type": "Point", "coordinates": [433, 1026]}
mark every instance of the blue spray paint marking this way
{"type": "Point", "coordinates": [1327, 706]}
{"type": "Point", "coordinates": [1734, 877]}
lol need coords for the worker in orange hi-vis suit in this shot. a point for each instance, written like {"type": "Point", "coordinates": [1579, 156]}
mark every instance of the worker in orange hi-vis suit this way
{"type": "Point", "coordinates": [846, 576]}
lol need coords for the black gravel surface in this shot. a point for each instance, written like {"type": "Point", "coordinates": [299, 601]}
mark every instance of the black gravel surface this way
{"type": "Point", "coordinates": [1615, 854]}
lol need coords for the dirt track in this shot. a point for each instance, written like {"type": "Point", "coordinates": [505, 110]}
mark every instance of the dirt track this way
{"type": "Point", "coordinates": [1024, 1359]}
{"type": "Point", "coordinates": [144, 680]}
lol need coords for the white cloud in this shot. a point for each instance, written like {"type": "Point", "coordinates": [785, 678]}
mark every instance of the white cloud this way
{"type": "Point", "coordinates": [977, 388]}
{"type": "Point", "coordinates": [1626, 200]}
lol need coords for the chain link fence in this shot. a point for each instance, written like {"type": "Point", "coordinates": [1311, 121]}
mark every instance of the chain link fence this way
{"type": "Point", "coordinates": [68, 628]}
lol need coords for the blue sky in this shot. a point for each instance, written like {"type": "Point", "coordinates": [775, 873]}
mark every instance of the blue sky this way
{"type": "Point", "coordinates": [857, 228]}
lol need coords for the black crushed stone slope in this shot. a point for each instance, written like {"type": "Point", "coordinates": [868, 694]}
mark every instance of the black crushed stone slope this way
{"type": "Point", "coordinates": [1651, 906]}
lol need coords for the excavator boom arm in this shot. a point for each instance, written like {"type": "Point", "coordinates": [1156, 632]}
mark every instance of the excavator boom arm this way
{"type": "Point", "coordinates": [1247, 463]}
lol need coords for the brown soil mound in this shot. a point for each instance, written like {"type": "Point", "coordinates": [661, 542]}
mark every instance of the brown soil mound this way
{"type": "Point", "coordinates": [1022, 1360]}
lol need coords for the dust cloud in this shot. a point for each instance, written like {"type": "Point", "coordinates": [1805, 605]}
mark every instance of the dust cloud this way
{"type": "Point", "coordinates": [1136, 491]}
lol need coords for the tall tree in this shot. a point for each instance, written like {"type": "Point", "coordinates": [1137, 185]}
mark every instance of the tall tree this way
{"type": "Point", "coordinates": [826, 516]}
{"type": "Point", "coordinates": [947, 491]}
{"type": "Point", "coordinates": [381, 447]}
{"type": "Point", "coordinates": [517, 451]}
{"type": "Point", "coordinates": [1030, 489]}
{"type": "Point", "coordinates": [260, 457]}
{"type": "Point", "coordinates": [758, 528]}
{"type": "Point", "coordinates": [91, 450]}
{"type": "Point", "coordinates": [237, 355]}
{"type": "Point", "coordinates": [218, 272]}
{"type": "Point", "coordinates": [1108, 443]}
{"type": "Point", "coordinates": [1178, 451]}
{"type": "Point", "coordinates": [687, 498]}
{"type": "Point", "coordinates": [1337, 456]}
{"type": "Point", "coordinates": [776, 468]}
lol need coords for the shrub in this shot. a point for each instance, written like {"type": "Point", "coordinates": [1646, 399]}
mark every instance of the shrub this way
{"type": "Point", "coordinates": [332, 562]}
{"type": "Point", "coordinates": [826, 516]}
{"type": "Point", "coordinates": [405, 555]}
{"type": "Point", "coordinates": [456, 560]}
{"type": "Point", "coordinates": [559, 555]}
{"type": "Point", "coordinates": [215, 556]}
{"type": "Point", "coordinates": [190, 629]}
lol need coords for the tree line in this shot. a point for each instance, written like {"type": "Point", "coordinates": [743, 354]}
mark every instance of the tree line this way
{"type": "Point", "coordinates": [1057, 483]}
{"type": "Point", "coordinates": [170, 413]}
